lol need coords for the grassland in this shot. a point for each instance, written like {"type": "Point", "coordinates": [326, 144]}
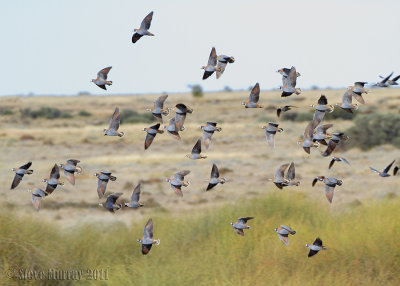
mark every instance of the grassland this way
{"type": "Point", "coordinates": [198, 245]}
{"type": "Point", "coordinates": [202, 249]}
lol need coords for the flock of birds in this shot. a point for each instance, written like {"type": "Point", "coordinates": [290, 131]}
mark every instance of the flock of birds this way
{"type": "Point", "coordinates": [315, 134]}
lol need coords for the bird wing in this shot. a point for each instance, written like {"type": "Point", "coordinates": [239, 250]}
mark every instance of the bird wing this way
{"type": "Point", "coordinates": [331, 163]}
{"type": "Point", "coordinates": [55, 172]}
{"type": "Point", "coordinates": [70, 177]}
{"type": "Point", "coordinates": [239, 231]}
{"type": "Point", "coordinates": [179, 120]}
{"type": "Point", "coordinates": [103, 73]}
{"type": "Point", "coordinates": [37, 196]}
{"type": "Point", "coordinates": [255, 93]}
{"type": "Point", "coordinates": [312, 252]}
{"type": "Point", "coordinates": [148, 230]}
{"type": "Point", "coordinates": [386, 78]}
{"type": "Point", "coordinates": [280, 172]}
{"type": "Point", "coordinates": [207, 74]}
{"type": "Point", "coordinates": [214, 171]}
{"type": "Point", "coordinates": [321, 129]}
{"type": "Point", "coordinates": [278, 111]}
{"type": "Point", "coordinates": [26, 166]}
{"type": "Point", "coordinates": [212, 59]}
{"type": "Point", "coordinates": [270, 139]}
{"type": "Point", "coordinates": [331, 146]}
{"type": "Point", "coordinates": [323, 100]}
{"type": "Point", "coordinates": [177, 190]}
{"type": "Point", "coordinates": [112, 198]}
{"type": "Point", "coordinates": [359, 98]}
{"type": "Point", "coordinates": [17, 179]}
{"type": "Point", "coordinates": [386, 170]}
{"type": "Point", "coordinates": [396, 78]}
{"type": "Point", "coordinates": [221, 68]}
{"type": "Point", "coordinates": [136, 37]}
{"type": "Point", "coordinates": [115, 120]}
{"type": "Point", "coordinates": [149, 139]}
{"type": "Point", "coordinates": [318, 242]}
{"type": "Point", "coordinates": [145, 25]}
{"type": "Point", "coordinates": [345, 160]}
{"type": "Point", "coordinates": [291, 172]}
{"type": "Point", "coordinates": [347, 96]}
{"type": "Point", "coordinates": [159, 102]}
{"type": "Point", "coordinates": [284, 239]}
{"type": "Point", "coordinates": [245, 219]}
{"type": "Point", "coordinates": [207, 138]}
{"type": "Point", "coordinates": [309, 131]}
{"type": "Point", "coordinates": [395, 170]}
{"type": "Point", "coordinates": [73, 162]}
{"type": "Point", "coordinates": [197, 147]}
{"type": "Point", "coordinates": [101, 188]}
{"type": "Point", "coordinates": [375, 170]}
{"type": "Point", "coordinates": [292, 77]}
{"type": "Point", "coordinates": [136, 194]}
{"type": "Point", "coordinates": [181, 174]}
{"type": "Point", "coordinates": [329, 192]}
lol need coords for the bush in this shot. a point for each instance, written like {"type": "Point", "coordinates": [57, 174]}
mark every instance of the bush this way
{"type": "Point", "coordinates": [6, 111]}
{"type": "Point", "coordinates": [297, 116]}
{"type": "Point", "coordinates": [45, 112]}
{"type": "Point", "coordinates": [197, 90]}
{"type": "Point", "coordinates": [132, 116]}
{"type": "Point", "coordinates": [339, 113]}
{"type": "Point", "coordinates": [84, 113]}
{"type": "Point", "coordinates": [374, 130]}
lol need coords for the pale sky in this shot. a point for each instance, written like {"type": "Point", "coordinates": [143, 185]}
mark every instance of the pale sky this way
{"type": "Point", "coordinates": [57, 47]}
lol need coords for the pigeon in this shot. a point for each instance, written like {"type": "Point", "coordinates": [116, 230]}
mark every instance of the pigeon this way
{"type": "Point", "coordinates": [315, 247]}
{"type": "Point", "coordinates": [283, 233]}
{"type": "Point", "coordinates": [19, 174]}
{"type": "Point", "coordinates": [114, 125]}
{"type": "Point", "coordinates": [144, 28]}
{"type": "Point", "coordinates": [215, 180]}
{"type": "Point", "coordinates": [385, 172]}
{"type": "Point", "coordinates": [101, 80]}
{"type": "Point", "coordinates": [241, 224]}
{"type": "Point", "coordinates": [135, 198]}
{"type": "Point", "coordinates": [147, 240]}
{"type": "Point", "coordinates": [70, 169]}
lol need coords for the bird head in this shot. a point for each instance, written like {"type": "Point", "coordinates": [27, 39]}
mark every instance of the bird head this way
{"type": "Point", "coordinates": [126, 205]}
{"type": "Point", "coordinates": [139, 240]}
{"type": "Point", "coordinates": [13, 169]}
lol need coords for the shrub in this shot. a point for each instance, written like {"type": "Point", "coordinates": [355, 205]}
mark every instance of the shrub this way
{"type": "Point", "coordinates": [6, 111]}
{"type": "Point", "coordinates": [132, 116]}
{"type": "Point", "coordinates": [84, 113]}
{"type": "Point", "coordinates": [373, 130]}
{"type": "Point", "coordinates": [197, 90]}
{"type": "Point", "coordinates": [44, 112]}
{"type": "Point", "coordinates": [339, 113]}
{"type": "Point", "coordinates": [297, 116]}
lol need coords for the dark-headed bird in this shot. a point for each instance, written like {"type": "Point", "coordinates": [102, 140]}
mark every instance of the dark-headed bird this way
{"type": "Point", "coordinates": [151, 133]}
{"type": "Point", "coordinates": [315, 247]}
{"type": "Point", "coordinates": [196, 151]}
{"type": "Point", "coordinates": [101, 80]}
{"type": "Point", "coordinates": [135, 198]}
{"type": "Point", "coordinates": [241, 224]}
{"type": "Point", "coordinates": [208, 132]}
{"type": "Point", "coordinates": [53, 180]}
{"type": "Point", "coordinates": [111, 202]}
{"type": "Point", "coordinates": [222, 63]}
{"type": "Point", "coordinates": [385, 172]}
{"type": "Point", "coordinates": [147, 240]}
{"type": "Point", "coordinates": [283, 233]}
{"type": "Point", "coordinates": [321, 108]}
{"type": "Point", "coordinates": [253, 98]}
{"type": "Point", "coordinates": [70, 169]}
{"type": "Point", "coordinates": [114, 125]}
{"type": "Point", "coordinates": [144, 28]}
{"type": "Point", "coordinates": [103, 178]}
{"type": "Point", "coordinates": [211, 66]}
{"type": "Point", "coordinates": [215, 180]}
{"type": "Point", "coordinates": [19, 174]}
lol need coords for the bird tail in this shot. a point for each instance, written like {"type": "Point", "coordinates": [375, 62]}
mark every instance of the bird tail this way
{"type": "Point", "coordinates": [112, 178]}
{"type": "Point", "coordinates": [121, 134]}
{"type": "Point", "coordinates": [109, 82]}
{"type": "Point", "coordinates": [29, 172]}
